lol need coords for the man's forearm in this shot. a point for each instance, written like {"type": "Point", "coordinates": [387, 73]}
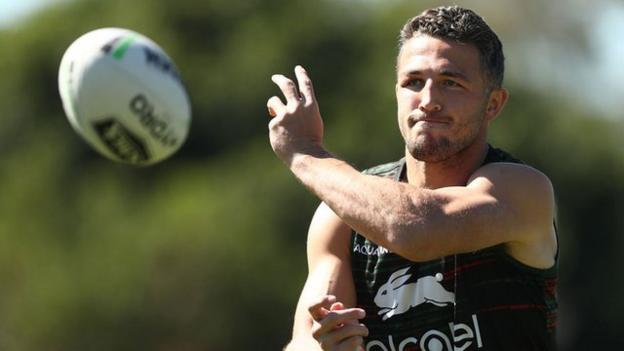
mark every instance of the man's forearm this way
{"type": "Point", "coordinates": [381, 209]}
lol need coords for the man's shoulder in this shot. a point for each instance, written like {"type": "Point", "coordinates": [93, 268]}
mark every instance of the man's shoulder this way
{"type": "Point", "coordinates": [522, 188]}
{"type": "Point", "coordinates": [509, 173]}
{"type": "Point", "coordinates": [500, 164]}
{"type": "Point", "coordinates": [390, 169]}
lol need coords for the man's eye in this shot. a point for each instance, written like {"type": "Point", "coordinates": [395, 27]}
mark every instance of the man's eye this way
{"type": "Point", "coordinates": [450, 83]}
{"type": "Point", "coordinates": [414, 83]}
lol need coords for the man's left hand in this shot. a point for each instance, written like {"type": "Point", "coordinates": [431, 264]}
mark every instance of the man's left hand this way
{"type": "Point", "coordinates": [296, 127]}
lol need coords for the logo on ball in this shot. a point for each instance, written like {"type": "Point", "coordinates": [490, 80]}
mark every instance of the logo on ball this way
{"type": "Point", "coordinates": [120, 141]}
{"type": "Point", "coordinates": [158, 128]}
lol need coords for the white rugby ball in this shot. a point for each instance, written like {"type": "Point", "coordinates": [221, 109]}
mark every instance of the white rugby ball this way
{"type": "Point", "coordinates": [122, 93]}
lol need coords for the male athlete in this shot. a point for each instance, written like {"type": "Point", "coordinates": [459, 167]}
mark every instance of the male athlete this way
{"type": "Point", "coordinates": [451, 248]}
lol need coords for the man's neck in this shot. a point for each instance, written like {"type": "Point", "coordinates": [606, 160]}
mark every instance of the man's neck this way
{"type": "Point", "coordinates": [454, 171]}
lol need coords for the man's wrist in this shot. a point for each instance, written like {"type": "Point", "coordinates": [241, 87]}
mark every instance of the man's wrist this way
{"type": "Point", "coordinates": [301, 158]}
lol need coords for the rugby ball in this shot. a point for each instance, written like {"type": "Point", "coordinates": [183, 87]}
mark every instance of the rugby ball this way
{"type": "Point", "coordinates": [123, 94]}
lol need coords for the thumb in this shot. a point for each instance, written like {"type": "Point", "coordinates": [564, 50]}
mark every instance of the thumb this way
{"type": "Point", "coordinates": [337, 306]}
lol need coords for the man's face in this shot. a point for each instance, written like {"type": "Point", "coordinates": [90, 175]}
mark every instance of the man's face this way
{"type": "Point", "coordinates": [442, 97]}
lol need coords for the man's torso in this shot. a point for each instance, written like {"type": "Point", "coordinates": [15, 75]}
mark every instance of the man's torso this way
{"type": "Point", "coordinates": [484, 300]}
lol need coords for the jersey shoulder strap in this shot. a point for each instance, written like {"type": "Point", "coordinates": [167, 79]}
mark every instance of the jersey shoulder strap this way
{"type": "Point", "coordinates": [391, 170]}
{"type": "Point", "coordinates": [498, 155]}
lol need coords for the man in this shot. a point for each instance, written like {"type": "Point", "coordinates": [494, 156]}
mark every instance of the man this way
{"type": "Point", "coordinates": [451, 248]}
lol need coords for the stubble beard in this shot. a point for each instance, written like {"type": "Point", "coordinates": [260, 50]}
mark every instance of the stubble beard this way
{"type": "Point", "coordinates": [427, 147]}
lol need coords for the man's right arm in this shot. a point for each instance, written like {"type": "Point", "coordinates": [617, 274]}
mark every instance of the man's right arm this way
{"type": "Point", "coordinates": [329, 274]}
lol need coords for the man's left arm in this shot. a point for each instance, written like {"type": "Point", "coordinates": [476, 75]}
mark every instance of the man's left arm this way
{"type": "Point", "coordinates": [502, 203]}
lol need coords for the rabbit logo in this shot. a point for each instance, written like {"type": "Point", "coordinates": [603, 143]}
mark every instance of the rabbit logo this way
{"type": "Point", "coordinates": [395, 297]}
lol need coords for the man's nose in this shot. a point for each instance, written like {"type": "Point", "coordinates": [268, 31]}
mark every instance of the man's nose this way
{"type": "Point", "coordinates": [430, 98]}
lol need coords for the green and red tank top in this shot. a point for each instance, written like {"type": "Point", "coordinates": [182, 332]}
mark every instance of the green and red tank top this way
{"type": "Point", "coordinates": [484, 300]}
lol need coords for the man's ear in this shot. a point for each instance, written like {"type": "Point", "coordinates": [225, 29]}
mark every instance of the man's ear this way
{"type": "Point", "coordinates": [496, 101]}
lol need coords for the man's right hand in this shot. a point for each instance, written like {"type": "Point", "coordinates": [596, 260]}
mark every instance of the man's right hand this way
{"type": "Point", "coordinates": [335, 327]}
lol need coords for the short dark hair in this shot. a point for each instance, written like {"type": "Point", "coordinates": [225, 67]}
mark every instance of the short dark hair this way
{"type": "Point", "coordinates": [464, 26]}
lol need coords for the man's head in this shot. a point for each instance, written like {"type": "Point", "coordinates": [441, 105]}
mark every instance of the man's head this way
{"type": "Point", "coordinates": [449, 74]}
{"type": "Point", "coordinates": [464, 26]}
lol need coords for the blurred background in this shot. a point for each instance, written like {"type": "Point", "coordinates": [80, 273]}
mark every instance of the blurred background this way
{"type": "Point", "coordinates": [206, 251]}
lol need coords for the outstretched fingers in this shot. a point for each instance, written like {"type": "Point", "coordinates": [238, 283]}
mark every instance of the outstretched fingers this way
{"type": "Point", "coordinates": [288, 88]}
{"type": "Point", "coordinates": [305, 84]}
{"type": "Point", "coordinates": [296, 125]}
{"type": "Point", "coordinates": [301, 92]}
{"type": "Point", "coordinates": [275, 106]}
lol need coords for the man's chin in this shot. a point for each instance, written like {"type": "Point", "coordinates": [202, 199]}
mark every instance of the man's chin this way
{"type": "Point", "coordinates": [430, 153]}
{"type": "Point", "coordinates": [430, 158]}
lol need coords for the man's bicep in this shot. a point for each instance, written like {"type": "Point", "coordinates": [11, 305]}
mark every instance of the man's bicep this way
{"type": "Point", "coordinates": [501, 204]}
{"type": "Point", "coordinates": [462, 219]}
{"type": "Point", "coordinates": [328, 236]}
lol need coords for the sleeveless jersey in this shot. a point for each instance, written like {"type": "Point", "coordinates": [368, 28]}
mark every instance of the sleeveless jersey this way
{"type": "Point", "coordinates": [484, 300]}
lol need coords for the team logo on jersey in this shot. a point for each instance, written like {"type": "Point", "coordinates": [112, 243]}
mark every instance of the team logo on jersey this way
{"type": "Point", "coordinates": [396, 296]}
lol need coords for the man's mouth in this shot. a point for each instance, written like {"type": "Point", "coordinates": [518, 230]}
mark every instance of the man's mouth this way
{"type": "Point", "coordinates": [427, 120]}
